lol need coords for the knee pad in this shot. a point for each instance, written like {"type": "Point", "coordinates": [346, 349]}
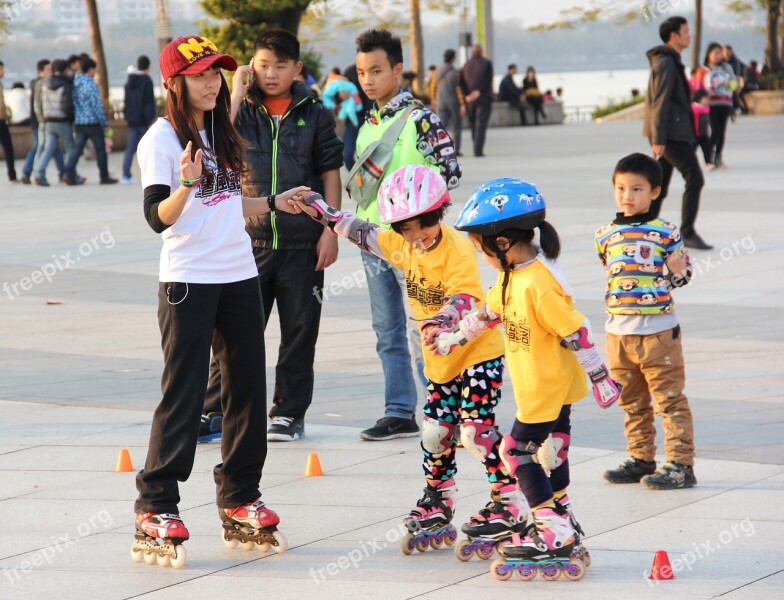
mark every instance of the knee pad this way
{"type": "Point", "coordinates": [436, 435]}
{"type": "Point", "coordinates": [561, 443]}
{"type": "Point", "coordinates": [515, 454]}
{"type": "Point", "coordinates": [478, 438]}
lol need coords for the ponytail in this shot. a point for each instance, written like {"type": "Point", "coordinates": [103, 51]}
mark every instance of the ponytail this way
{"type": "Point", "coordinates": [548, 238]}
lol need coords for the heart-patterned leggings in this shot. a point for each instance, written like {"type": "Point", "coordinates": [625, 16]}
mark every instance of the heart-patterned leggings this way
{"type": "Point", "coordinates": [469, 399]}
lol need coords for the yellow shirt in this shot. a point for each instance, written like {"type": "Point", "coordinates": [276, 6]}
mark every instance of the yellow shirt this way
{"type": "Point", "coordinates": [537, 315]}
{"type": "Point", "coordinates": [450, 268]}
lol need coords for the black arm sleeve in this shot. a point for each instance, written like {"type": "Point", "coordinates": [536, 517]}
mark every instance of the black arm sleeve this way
{"type": "Point", "coordinates": [153, 196]}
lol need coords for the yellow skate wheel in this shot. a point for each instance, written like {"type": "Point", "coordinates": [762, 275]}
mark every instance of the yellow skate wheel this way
{"type": "Point", "coordinates": [485, 553]}
{"type": "Point", "coordinates": [435, 543]}
{"type": "Point", "coordinates": [283, 543]}
{"type": "Point", "coordinates": [574, 570]}
{"type": "Point", "coordinates": [500, 570]}
{"type": "Point", "coordinates": [137, 555]}
{"type": "Point", "coordinates": [550, 572]}
{"type": "Point", "coordinates": [422, 545]}
{"type": "Point", "coordinates": [149, 558]}
{"type": "Point", "coordinates": [450, 538]}
{"type": "Point", "coordinates": [462, 552]}
{"type": "Point", "coordinates": [179, 558]}
{"type": "Point", "coordinates": [407, 544]}
{"type": "Point", "coordinates": [164, 560]}
{"type": "Point", "coordinates": [263, 547]}
{"type": "Point", "coordinates": [231, 543]}
{"type": "Point", "coordinates": [247, 545]}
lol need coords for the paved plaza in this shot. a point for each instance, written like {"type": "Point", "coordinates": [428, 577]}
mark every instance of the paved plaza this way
{"type": "Point", "coordinates": [80, 367]}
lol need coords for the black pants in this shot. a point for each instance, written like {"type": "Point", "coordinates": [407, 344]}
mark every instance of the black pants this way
{"type": "Point", "coordinates": [479, 117]}
{"type": "Point", "coordinates": [703, 142]}
{"type": "Point", "coordinates": [719, 115]}
{"type": "Point", "coordinates": [290, 278]}
{"type": "Point", "coordinates": [227, 317]}
{"type": "Point", "coordinates": [519, 106]}
{"type": "Point", "coordinates": [536, 486]}
{"type": "Point", "coordinates": [537, 102]}
{"type": "Point", "coordinates": [8, 148]}
{"type": "Point", "coordinates": [681, 156]}
{"type": "Point", "coordinates": [82, 134]}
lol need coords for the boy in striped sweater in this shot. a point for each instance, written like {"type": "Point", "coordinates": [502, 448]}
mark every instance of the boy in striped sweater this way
{"type": "Point", "coordinates": [645, 260]}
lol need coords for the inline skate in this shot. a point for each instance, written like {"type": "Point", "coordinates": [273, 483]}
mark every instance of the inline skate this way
{"type": "Point", "coordinates": [252, 525]}
{"type": "Point", "coordinates": [430, 523]}
{"type": "Point", "coordinates": [506, 513]}
{"type": "Point", "coordinates": [170, 530]}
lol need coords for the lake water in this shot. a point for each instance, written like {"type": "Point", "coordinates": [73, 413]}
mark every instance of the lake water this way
{"type": "Point", "coordinates": [581, 88]}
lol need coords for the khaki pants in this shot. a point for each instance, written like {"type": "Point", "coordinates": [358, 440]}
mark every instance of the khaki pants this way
{"type": "Point", "coordinates": [652, 366]}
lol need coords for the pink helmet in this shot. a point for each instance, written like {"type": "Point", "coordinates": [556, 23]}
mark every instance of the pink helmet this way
{"type": "Point", "coordinates": [410, 191]}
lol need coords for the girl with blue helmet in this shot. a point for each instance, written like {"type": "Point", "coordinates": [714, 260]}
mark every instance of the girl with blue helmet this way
{"type": "Point", "coordinates": [548, 347]}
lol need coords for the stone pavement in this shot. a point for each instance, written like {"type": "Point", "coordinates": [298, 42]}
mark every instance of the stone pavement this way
{"type": "Point", "coordinates": [79, 381]}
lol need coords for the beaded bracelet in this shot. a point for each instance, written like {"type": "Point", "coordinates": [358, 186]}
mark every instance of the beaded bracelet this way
{"type": "Point", "coordinates": [190, 183]}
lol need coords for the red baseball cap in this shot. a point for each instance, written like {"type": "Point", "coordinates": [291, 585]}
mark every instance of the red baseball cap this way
{"type": "Point", "coordinates": [191, 55]}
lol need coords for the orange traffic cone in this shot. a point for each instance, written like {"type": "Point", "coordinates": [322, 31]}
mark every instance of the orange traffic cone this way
{"type": "Point", "coordinates": [661, 568]}
{"type": "Point", "coordinates": [124, 464]}
{"type": "Point", "coordinates": [313, 468]}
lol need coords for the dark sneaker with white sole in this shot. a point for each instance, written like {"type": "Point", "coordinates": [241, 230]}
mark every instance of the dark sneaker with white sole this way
{"type": "Point", "coordinates": [631, 471]}
{"type": "Point", "coordinates": [389, 428]}
{"type": "Point", "coordinates": [671, 476]}
{"type": "Point", "coordinates": [285, 429]}
{"type": "Point", "coordinates": [211, 427]}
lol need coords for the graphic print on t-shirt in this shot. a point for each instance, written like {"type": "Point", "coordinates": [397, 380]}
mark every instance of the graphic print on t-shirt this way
{"type": "Point", "coordinates": [430, 296]}
{"type": "Point", "coordinates": [214, 188]}
{"type": "Point", "coordinates": [517, 332]}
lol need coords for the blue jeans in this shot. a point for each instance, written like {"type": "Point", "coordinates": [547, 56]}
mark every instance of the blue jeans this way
{"type": "Point", "coordinates": [27, 169]}
{"type": "Point", "coordinates": [84, 133]}
{"type": "Point", "coordinates": [393, 341]}
{"type": "Point", "coordinates": [57, 135]}
{"type": "Point", "coordinates": [134, 135]}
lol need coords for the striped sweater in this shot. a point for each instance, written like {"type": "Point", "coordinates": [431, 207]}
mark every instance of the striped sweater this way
{"type": "Point", "coordinates": [634, 250]}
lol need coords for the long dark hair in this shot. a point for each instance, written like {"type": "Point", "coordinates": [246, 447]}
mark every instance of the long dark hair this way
{"type": "Point", "coordinates": [711, 47]}
{"type": "Point", "coordinates": [228, 146]}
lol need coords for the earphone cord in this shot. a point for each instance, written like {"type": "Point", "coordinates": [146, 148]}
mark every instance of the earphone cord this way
{"type": "Point", "coordinates": [198, 235]}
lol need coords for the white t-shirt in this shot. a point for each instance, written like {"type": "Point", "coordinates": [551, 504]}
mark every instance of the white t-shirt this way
{"type": "Point", "coordinates": [208, 242]}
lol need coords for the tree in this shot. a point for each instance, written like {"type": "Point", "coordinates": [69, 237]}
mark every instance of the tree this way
{"type": "Point", "coordinates": [624, 11]}
{"type": "Point", "coordinates": [417, 49]}
{"type": "Point", "coordinates": [243, 20]}
{"type": "Point", "coordinates": [96, 45]}
{"type": "Point", "coordinates": [774, 51]}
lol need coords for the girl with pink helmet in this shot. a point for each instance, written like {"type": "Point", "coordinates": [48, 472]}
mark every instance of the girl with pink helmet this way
{"type": "Point", "coordinates": [443, 284]}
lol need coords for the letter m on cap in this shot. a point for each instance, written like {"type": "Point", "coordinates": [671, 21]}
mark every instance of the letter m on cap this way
{"type": "Point", "coordinates": [194, 48]}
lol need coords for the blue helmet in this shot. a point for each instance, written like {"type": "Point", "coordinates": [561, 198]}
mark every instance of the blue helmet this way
{"type": "Point", "coordinates": [507, 203]}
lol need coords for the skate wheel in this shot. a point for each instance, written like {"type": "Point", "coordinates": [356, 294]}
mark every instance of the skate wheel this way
{"type": "Point", "coordinates": [526, 572]}
{"type": "Point", "coordinates": [263, 547]}
{"type": "Point", "coordinates": [230, 543]}
{"type": "Point", "coordinates": [149, 558]}
{"type": "Point", "coordinates": [485, 551]}
{"type": "Point", "coordinates": [463, 551]}
{"type": "Point", "coordinates": [283, 543]}
{"type": "Point", "coordinates": [436, 542]}
{"type": "Point", "coordinates": [137, 555]}
{"type": "Point", "coordinates": [550, 572]}
{"type": "Point", "coordinates": [407, 544]}
{"type": "Point", "coordinates": [164, 560]}
{"type": "Point", "coordinates": [451, 537]}
{"type": "Point", "coordinates": [422, 545]}
{"type": "Point", "coordinates": [574, 570]}
{"type": "Point", "coordinates": [179, 558]}
{"type": "Point", "coordinates": [500, 570]}
{"type": "Point", "coordinates": [585, 558]}
{"type": "Point", "coordinates": [248, 546]}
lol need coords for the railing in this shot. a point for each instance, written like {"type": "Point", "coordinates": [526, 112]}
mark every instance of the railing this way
{"type": "Point", "coordinates": [578, 114]}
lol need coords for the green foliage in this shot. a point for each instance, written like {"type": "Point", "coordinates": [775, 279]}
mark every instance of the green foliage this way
{"type": "Point", "coordinates": [614, 107]}
{"type": "Point", "coordinates": [235, 24]}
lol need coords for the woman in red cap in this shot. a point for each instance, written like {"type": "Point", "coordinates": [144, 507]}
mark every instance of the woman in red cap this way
{"type": "Point", "coordinates": [208, 298]}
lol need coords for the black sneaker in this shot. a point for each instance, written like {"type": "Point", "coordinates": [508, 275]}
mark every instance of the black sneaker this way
{"type": "Point", "coordinates": [285, 429]}
{"type": "Point", "coordinates": [696, 242]}
{"type": "Point", "coordinates": [630, 471]}
{"type": "Point", "coordinates": [671, 476]}
{"type": "Point", "coordinates": [389, 428]}
{"type": "Point", "coordinates": [211, 427]}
